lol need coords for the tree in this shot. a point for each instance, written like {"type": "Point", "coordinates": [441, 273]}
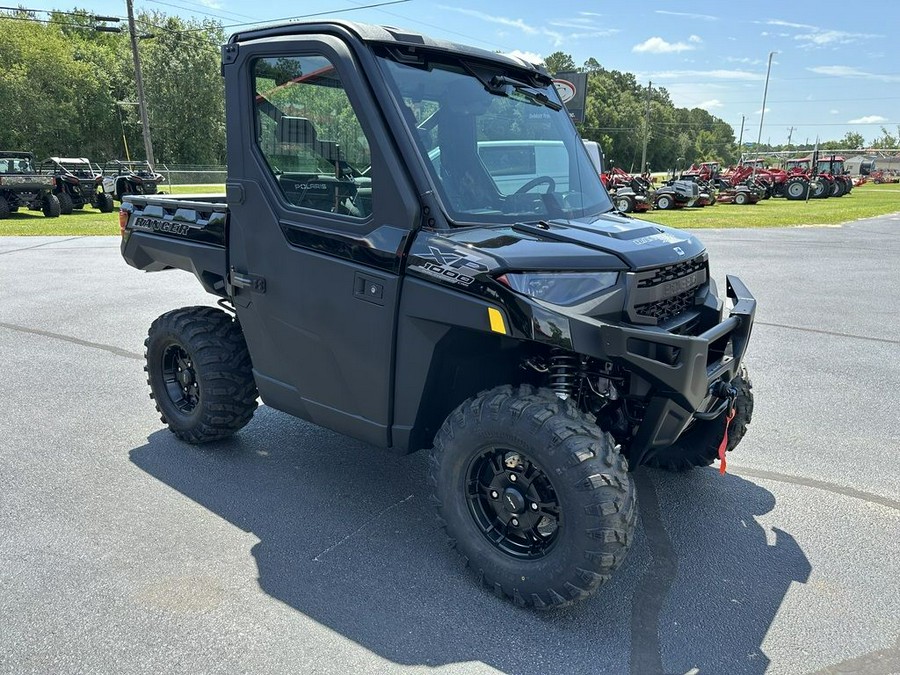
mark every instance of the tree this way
{"type": "Point", "coordinates": [559, 62]}
{"type": "Point", "coordinates": [853, 141]}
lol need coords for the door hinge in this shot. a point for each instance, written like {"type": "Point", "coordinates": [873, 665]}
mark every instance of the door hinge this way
{"type": "Point", "coordinates": [251, 282]}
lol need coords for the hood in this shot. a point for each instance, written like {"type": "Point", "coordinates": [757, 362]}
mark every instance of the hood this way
{"type": "Point", "coordinates": [609, 242]}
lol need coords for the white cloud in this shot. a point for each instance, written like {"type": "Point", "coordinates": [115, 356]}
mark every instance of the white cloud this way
{"type": "Point", "coordinates": [745, 60]}
{"type": "Point", "coordinates": [589, 14]}
{"type": "Point", "coordinates": [689, 15]}
{"type": "Point", "coordinates": [490, 18]}
{"type": "Point", "coordinates": [834, 112]}
{"type": "Point", "coordinates": [853, 72]}
{"type": "Point", "coordinates": [531, 57]}
{"type": "Point", "coordinates": [788, 24]}
{"type": "Point", "coordinates": [712, 103]}
{"type": "Point", "coordinates": [703, 75]}
{"type": "Point", "coordinates": [656, 45]}
{"type": "Point", "coordinates": [811, 36]}
{"type": "Point", "coordinates": [760, 111]}
{"type": "Point", "coordinates": [868, 119]}
{"type": "Point", "coordinates": [696, 39]}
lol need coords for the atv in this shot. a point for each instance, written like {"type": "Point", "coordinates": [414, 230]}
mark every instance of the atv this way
{"type": "Point", "coordinates": [130, 178]}
{"type": "Point", "coordinates": [78, 182]}
{"type": "Point", "coordinates": [21, 186]}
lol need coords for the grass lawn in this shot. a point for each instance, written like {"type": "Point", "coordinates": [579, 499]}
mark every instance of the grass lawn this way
{"type": "Point", "coordinates": [87, 221]}
{"type": "Point", "coordinates": [864, 202]}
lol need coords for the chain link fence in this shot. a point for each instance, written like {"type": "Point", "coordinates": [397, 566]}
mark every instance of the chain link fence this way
{"type": "Point", "coordinates": [193, 174]}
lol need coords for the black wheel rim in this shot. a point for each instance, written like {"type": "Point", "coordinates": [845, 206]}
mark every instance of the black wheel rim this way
{"type": "Point", "coordinates": [180, 379]}
{"type": "Point", "coordinates": [513, 503]}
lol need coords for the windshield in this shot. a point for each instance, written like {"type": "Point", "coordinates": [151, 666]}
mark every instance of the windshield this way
{"type": "Point", "coordinates": [500, 149]}
{"type": "Point", "coordinates": [16, 165]}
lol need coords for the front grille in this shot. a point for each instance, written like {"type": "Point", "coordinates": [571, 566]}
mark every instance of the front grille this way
{"type": "Point", "coordinates": [667, 308]}
{"type": "Point", "coordinates": [675, 271]}
{"type": "Point", "coordinates": [659, 295]}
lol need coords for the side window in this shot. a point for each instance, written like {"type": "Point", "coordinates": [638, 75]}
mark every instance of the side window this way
{"type": "Point", "coordinates": [310, 135]}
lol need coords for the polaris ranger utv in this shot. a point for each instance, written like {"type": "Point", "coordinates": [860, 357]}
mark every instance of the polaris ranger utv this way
{"type": "Point", "coordinates": [22, 186]}
{"type": "Point", "coordinates": [385, 271]}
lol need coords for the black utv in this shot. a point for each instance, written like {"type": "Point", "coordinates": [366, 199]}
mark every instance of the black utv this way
{"type": "Point", "coordinates": [78, 183]}
{"type": "Point", "coordinates": [21, 186]}
{"type": "Point", "coordinates": [122, 178]}
{"type": "Point", "coordinates": [415, 250]}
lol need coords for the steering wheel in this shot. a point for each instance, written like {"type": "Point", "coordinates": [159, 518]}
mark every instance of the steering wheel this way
{"type": "Point", "coordinates": [534, 182]}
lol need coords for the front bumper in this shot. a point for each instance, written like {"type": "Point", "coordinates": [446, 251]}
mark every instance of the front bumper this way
{"type": "Point", "coordinates": [680, 369]}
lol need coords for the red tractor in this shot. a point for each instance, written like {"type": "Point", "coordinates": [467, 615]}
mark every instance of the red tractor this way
{"type": "Point", "coordinates": [821, 177]}
{"type": "Point", "coordinates": [833, 167]}
{"type": "Point", "coordinates": [772, 177]}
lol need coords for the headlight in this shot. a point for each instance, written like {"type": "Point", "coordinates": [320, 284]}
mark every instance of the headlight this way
{"type": "Point", "coordinates": [560, 288]}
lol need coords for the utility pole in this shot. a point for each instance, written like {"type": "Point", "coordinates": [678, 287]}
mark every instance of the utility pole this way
{"type": "Point", "coordinates": [741, 138]}
{"type": "Point", "coordinates": [762, 113]}
{"type": "Point", "coordinates": [790, 133]}
{"type": "Point", "coordinates": [646, 130]}
{"type": "Point", "coordinates": [139, 80]}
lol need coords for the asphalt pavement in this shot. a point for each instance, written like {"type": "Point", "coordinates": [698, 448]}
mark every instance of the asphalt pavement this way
{"type": "Point", "coordinates": [290, 549]}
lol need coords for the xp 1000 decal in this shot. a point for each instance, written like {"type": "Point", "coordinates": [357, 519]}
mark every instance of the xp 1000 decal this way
{"type": "Point", "coordinates": [448, 266]}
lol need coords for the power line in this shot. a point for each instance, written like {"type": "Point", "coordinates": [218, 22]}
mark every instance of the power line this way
{"type": "Point", "coordinates": [300, 16]}
{"type": "Point", "coordinates": [198, 11]}
{"type": "Point", "coordinates": [84, 14]}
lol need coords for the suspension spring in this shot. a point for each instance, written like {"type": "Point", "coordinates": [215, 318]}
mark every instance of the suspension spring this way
{"type": "Point", "coordinates": [564, 371]}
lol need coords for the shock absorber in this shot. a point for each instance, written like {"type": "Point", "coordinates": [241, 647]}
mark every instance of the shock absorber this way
{"type": "Point", "coordinates": [564, 369]}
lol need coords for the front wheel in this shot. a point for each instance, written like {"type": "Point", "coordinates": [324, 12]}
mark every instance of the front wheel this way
{"type": "Point", "coordinates": [624, 204]}
{"type": "Point", "coordinates": [699, 445]}
{"type": "Point", "coordinates": [665, 203]}
{"type": "Point", "coordinates": [200, 374]}
{"type": "Point", "coordinates": [105, 203]}
{"type": "Point", "coordinates": [50, 206]}
{"type": "Point", "coordinates": [533, 495]}
{"type": "Point", "coordinates": [741, 198]}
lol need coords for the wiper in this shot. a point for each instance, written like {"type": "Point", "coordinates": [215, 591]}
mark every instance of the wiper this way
{"type": "Point", "coordinates": [498, 84]}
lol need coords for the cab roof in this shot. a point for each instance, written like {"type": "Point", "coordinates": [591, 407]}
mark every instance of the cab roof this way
{"type": "Point", "coordinates": [387, 35]}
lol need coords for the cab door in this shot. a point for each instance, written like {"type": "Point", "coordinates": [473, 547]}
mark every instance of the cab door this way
{"type": "Point", "coordinates": [320, 214]}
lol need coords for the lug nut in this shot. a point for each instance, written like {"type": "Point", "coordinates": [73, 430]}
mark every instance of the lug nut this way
{"type": "Point", "coordinates": [534, 506]}
{"type": "Point", "coordinates": [494, 494]}
{"type": "Point", "coordinates": [512, 477]}
{"type": "Point", "coordinates": [515, 522]}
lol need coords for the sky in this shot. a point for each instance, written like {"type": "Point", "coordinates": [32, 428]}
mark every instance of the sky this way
{"type": "Point", "coordinates": [834, 68]}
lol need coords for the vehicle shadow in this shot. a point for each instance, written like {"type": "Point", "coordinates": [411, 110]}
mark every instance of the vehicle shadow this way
{"type": "Point", "coordinates": [347, 537]}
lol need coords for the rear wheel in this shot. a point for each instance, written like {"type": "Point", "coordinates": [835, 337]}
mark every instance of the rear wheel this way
{"type": "Point", "coordinates": [536, 499]}
{"type": "Point", "coordinates": [50, 206]}
{"type": "Point", "coordinates": [741, 198]}
{"type": "Point", "coordinates": [665, 202]}
{"type": "Point", "coordinates": [699, 445]}
{"type": "Point", "coordinates": [821, 189]}
{"type": "Point", "coordinates": [4, 208]}
{"type": "Point", "coordinates": [66, 205]}
{"type": "Point", "coordinates": [200, 374]}
{"type": "Point", "coordinates": [837, 188]}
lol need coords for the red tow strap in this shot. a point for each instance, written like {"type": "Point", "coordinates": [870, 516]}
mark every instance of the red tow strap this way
{"type": "Point", "coordinates": [723, 446]}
